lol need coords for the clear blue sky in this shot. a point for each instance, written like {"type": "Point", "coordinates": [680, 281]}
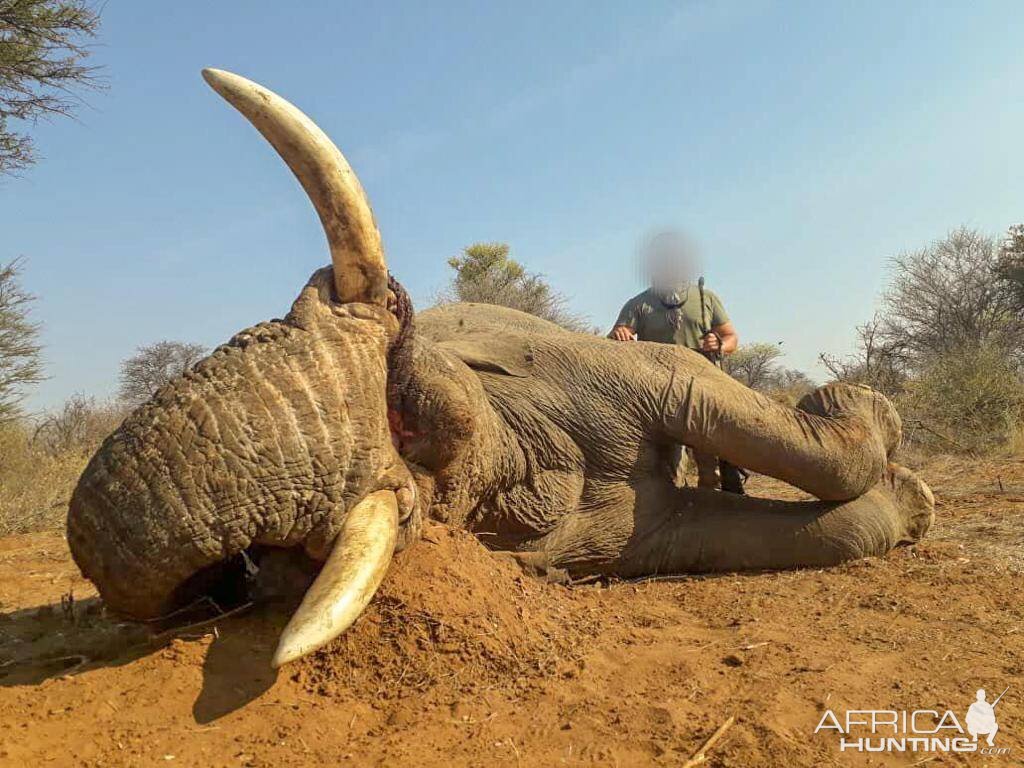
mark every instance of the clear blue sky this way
{"type": "Point", "coordinates": [802, 143]}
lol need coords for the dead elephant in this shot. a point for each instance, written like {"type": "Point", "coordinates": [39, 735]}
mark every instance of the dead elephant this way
{"type": "Point", "coordinates": [335, 430]}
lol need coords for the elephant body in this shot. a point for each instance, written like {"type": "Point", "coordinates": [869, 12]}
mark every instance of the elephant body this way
{"type": "Point", "coordinates": [564, 456]}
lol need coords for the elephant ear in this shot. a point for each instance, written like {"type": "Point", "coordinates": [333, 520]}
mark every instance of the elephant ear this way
{"type": "Point", "coordinates": [492, 353]}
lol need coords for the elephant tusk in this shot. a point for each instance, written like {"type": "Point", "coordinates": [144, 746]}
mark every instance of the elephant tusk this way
{"type": "Point", "coordinates": [360, 272]}
{"type": "Point", "coordinates": [346, 584]}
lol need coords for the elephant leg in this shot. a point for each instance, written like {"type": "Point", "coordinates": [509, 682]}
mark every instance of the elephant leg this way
{"type": "Point", "coordinates": [724, 532]}
{"type": "Point", "coordinates": [657, 529]}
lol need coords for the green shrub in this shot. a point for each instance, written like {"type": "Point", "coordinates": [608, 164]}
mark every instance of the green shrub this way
{"type": "Point", "coordinates": [969, 400]}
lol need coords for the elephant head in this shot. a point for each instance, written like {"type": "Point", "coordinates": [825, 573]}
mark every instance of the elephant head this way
{"type": "Point", "coordinates": [280, 438]}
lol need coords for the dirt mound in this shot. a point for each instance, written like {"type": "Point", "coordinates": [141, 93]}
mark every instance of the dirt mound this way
{"type": "Point", "coordinates": [449, 610]}
{"type": "Point", "coordinates": [462, 660]}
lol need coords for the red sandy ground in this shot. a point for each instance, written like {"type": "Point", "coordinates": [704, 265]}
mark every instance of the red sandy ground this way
{"type": "Point", "coordinates": [462, 660]}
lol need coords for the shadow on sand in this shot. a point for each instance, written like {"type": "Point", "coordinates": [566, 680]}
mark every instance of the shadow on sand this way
{"type": "Point", "coordinates": [64, 640]}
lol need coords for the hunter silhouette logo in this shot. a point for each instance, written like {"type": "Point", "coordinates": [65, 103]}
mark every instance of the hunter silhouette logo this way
{"type": "Point", "coordinates": [981, 717]}
{"type": "Point", "coordinates": [920, 730]}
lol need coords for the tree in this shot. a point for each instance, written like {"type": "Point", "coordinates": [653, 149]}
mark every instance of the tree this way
{"type": "Point", "coordinates": [484, 273]}
{"type": "Point", "coordinates": [20, 361]}
{"type": "Point", "coordinates": [947, 344]}
{"type": "Point", "coordinates": [791, 385]}
{"type": "Point", "coordinates": [955, 295]}
{"type": "Point", "coordinates": [877, 363]}
{"type": "Point", "coordinates": [947, 297]}
{"type": "Point", "coordinates": [1011, 265]}
{"type": "Point", "coordinates": [153, 366]}
{"type": "Point", "coordinates": [754, 364]}
{"type": "Point", "coordinates": [42, 61]}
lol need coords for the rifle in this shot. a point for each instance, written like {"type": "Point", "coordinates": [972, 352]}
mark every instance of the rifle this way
{"type": "Point", "coordinates": [732, 476]}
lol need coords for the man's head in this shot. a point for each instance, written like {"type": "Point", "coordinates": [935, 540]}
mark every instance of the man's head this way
{"type": "Point", "coordinates": [668, 261]}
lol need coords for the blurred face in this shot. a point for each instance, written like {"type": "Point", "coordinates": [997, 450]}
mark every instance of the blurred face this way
{"type": "Point", "coordinates": [668, 261]}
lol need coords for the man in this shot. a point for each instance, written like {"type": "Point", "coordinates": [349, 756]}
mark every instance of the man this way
{"type": "Point", "coordinates": [675, 310]}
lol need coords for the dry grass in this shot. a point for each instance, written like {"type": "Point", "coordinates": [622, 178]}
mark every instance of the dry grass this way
{"type": "Point", "coordinates": [34, 485]}
{"type": "Point", "coordinates": [1015, 444]}
{"type": "Point", "coordinates": [40, 463]}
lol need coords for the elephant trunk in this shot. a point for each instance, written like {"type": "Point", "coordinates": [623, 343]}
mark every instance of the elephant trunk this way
{"type": "Point", "coordinates": [835, 444]}
{"type": "Point", "coordinates": [269, 441]}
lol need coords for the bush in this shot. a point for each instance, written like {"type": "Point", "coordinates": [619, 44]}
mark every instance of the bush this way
{"type": "Point", "coordinates": [34, 486]}
{"type": "Point", "coordinates": [790, 386]}
{"type": "Point", "coordinates": [947, 346]}
{"type": "Point", "coordinates": [40, 464]}
{"type": "Point", "coordinates": [78, 427]}
{"type": "Point", "coordinates": [967, 399]}
{"type": "Point", "coordinates": [485, 273]}
{"type": "Point", "coordinates": [876, 363]}
{"type": "Point", "coordinates": [756, 365]}
{"type": "Point", "coordinates": [154, 366]}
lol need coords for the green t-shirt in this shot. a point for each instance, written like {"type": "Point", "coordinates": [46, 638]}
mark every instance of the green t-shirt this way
{"type": "Point", "coordinates": [651, 320]}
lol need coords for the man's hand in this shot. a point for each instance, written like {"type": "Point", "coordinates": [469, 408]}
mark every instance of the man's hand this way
{"type": "Point", "coordinates": [622, 333]}
{"type": "Point", "coordinates": [721, 340]}
{"type": "Point", "coordinates": [710, 344]}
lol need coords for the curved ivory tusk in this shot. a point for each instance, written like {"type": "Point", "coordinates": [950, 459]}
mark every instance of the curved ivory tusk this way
{"type": "Point", "coordinates": [360, 272]}
{"type": "Point", "coordinates": [348, 580]}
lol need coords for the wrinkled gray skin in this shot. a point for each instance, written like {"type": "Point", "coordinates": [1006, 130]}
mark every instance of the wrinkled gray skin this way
{"type": "Point", "coordinates": [548, 443]}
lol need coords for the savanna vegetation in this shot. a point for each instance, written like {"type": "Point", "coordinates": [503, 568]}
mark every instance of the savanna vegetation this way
{"type": "Point", "coordinates": [485, 273]}
{"type": "Point", "coordinates": [42, 454]}
{"type": "Point", "coordinates": [947, 343]}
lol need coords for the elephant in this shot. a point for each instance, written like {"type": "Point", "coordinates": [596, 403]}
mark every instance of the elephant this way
{"type": "Point", "coordinates": [333, 433]}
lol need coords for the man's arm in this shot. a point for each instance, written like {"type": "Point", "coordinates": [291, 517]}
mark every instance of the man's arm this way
{"type": "Point", "coordinates": [721, 329]}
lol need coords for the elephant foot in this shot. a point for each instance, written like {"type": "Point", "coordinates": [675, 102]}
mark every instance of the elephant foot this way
{"type": "Point", "coordinates": [912, 499]}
